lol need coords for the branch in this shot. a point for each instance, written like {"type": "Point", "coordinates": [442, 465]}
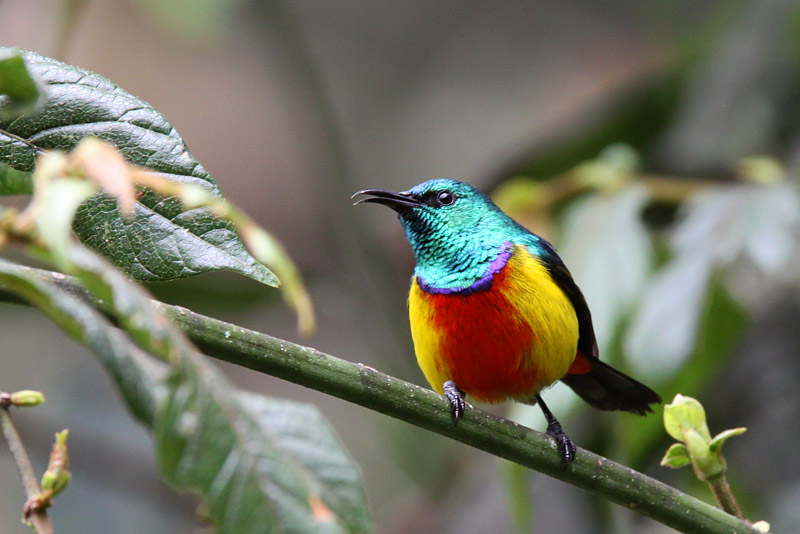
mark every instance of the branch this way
{"type": "Point", "coordinates": [41, 521]}
{"type": "Point", "coordinates": [367, 387]}
{"type": "Point", "coordinates": [422, 407]}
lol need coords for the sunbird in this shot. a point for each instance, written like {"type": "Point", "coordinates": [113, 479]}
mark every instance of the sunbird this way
{"type": "Point", "coordinates": [494, 312]}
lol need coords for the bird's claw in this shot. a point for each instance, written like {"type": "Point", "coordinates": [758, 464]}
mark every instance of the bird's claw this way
{"type": "Point", "coordinates": [456, 398]}
{"type": "Point", "coordinates": [566, 447]}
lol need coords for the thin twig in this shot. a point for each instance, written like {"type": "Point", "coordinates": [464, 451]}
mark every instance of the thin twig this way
{"type": "Point", "coordinates": [39, 518]}
{"type": "Point", "coordinates": [722, 492]}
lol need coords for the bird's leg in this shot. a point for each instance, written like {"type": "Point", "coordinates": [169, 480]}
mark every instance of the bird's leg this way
{"type": "Point", "coordinates": [565, 445]}
{"type": "Point", "coordinates": [456, 398]}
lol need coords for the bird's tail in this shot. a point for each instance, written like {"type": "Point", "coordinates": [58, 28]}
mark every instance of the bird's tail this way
{"type": "Point", "coordinates": [605, 388]}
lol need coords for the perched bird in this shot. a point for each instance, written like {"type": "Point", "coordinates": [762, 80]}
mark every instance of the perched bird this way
{"type": "Point", "coordinates": [494, 312]}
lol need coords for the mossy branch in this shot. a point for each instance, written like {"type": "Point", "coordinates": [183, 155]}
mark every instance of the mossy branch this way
{"type": "Point", "coordinates": [372, 389]}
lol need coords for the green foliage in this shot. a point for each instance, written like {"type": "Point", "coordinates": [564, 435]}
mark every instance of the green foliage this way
{"type": "Point", "coordinates": [685, 421]}
{"type": "Point", "coordinates": [258, 464]}
{"type": "Point", "coordinates": [163, 240]}
{"type": "Point", "coordinates": [676, 456]}
{"type": "Point", "coordinates": [261, 464]}
{"type": "Point", "coordinates": [264, 464]}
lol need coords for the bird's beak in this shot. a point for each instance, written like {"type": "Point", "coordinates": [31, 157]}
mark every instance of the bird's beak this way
{"type": "Point", "coordinates": [399, 202]}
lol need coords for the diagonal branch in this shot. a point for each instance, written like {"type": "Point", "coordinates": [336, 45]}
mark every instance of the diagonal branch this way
{"type": "Point", "coordinates": [367, 387]}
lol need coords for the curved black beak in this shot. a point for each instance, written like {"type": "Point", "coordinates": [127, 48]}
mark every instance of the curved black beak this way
{"type": "Point", "coordinates": [399, 202]}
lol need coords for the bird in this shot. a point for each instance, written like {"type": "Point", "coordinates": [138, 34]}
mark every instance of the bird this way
{"type": "Point", "coordinates": [495, 314]}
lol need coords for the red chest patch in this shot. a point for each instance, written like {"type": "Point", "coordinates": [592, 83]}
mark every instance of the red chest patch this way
{"type": "Point", "coordinates": [486, 348]}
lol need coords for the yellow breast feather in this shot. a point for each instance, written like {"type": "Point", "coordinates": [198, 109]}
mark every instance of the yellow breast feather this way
{"type": "Point", "coordinates": [426, 337]}
{"type": "Point", "coordinates": [541, 303]}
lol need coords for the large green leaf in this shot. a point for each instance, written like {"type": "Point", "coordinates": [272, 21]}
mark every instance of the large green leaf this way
{"type": "Point", "coordinates": [258, 464]}
{"type": "Point", "coordinates": [263, 465]}
{"type": "Point", "coordinates": [162, 241]}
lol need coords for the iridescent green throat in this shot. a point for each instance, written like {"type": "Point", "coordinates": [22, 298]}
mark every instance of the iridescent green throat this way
{"type": "Point", "coordinates": [462, 285]}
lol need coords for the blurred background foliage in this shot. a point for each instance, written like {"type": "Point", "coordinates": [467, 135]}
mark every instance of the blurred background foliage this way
{"type": "Point", "coordinates": [656, 144]}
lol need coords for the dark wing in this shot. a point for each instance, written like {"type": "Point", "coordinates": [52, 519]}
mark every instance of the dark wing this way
{"type": "Point", "coordinates": [587, 344]}
{"type": "Point", "coordinates": [594, 381]}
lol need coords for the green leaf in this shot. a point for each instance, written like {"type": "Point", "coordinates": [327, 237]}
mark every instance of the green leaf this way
{"type": "Point", "coordinates": [683, 414]}
{"type": "Point", "coordinates": [685, 420]}
{"type": "Point", "coordinates": [676, 456]}
{"type": "Point", "coordinates": [721, 324]}
{"type": "Point", "coordinates": [163, 240]}
{"type": "Point", "coordinates": [258, 464]}
{"type": "Point", "coordinates": [263, 464]}
{"type": "Point", "coordinates": [720, 438]}
{"type": "Point", "coordinates": [609, 253]}
{"type": "Point", "coordinates": [20, 92]}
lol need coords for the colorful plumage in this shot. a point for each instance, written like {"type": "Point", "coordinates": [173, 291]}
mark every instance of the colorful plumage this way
{"type": "Point", "coordinates": [494, 312]}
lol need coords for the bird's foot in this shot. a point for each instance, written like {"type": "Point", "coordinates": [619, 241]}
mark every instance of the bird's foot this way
{"type": "Point", "coordinates": [566, 447]}
{"type": "Point", "coordinates": [456, 398]}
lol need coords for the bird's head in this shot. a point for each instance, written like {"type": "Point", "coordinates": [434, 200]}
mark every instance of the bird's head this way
{"type": "Point", "coordinates": [443, 215]}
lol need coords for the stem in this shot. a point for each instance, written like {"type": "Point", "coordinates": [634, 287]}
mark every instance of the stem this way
{"type": "Point", "coordinates": [722, 492]}
{"type": "Point", "coordinates": [41, 522]}
{"type": "Point", "coordinates": [367, 387]}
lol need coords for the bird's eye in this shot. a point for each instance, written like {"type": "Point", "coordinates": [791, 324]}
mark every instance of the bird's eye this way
{"type": "Point", "coordinates": [445, 198]}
